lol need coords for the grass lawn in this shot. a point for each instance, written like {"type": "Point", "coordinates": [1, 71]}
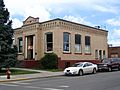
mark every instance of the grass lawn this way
{"type": "Point", "coordinates": [17, 72]}
{"type": "Point", "coordinates": [52, 70]}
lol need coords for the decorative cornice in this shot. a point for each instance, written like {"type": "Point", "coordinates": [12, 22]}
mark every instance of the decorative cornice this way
{"type": "Point", "coordinates": [64, 24]}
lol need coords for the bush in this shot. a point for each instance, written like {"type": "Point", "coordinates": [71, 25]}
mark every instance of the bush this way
{"type": "Point", "coordinates": [49, 61]}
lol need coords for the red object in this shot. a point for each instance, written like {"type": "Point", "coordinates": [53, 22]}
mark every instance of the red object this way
{"type": "Point", "coordinates": [8, 73]}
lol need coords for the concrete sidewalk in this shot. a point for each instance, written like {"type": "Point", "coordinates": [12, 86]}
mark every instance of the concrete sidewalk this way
{"type": "Point", "coordinates": [40, 74]}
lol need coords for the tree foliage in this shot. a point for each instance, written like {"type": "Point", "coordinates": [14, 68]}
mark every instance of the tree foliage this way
{"type": "Point", "coordinates": [8, 52]}
{"type": "Point", "coordinates": [49, 61]}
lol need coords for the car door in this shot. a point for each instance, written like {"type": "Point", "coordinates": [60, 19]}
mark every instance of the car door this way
{"type": "Point", "coordinates": [91, 67]}
{"type": "Point", "coordinates": [86, 68]}
{"type": "Point", "coordinates": [114, 63]}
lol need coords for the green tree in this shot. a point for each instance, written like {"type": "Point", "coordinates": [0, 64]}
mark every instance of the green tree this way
{"type": "Point", "coordinates": [8, 52]}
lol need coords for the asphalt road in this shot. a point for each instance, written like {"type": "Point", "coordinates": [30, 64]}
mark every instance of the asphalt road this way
{"type": "Point", "coordinates": [99, 81]}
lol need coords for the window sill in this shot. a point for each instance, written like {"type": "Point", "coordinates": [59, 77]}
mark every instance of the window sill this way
{"type": "Point", "coordinates": [96, 58]}
{"type": "Point", "coordinates": [78, 53]}
{"type": "Point", "coordinates": [20, 53]}
{"type": "Point", "coordinates": [33, 59]}
{"type": "Point", "coordinates": [48, 52]}
{"type": "Point", "coordinates": [88, 54]}
{"type": "Point", "coordinates": [67, 53]}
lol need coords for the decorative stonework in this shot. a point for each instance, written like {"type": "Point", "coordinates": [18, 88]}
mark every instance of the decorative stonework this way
{"type": "Point", "coordinates": [73, 26]}
{"type": "Point", "coordinates": [30, 24]}
{"type": "Point", "coordinates": [30, 20]}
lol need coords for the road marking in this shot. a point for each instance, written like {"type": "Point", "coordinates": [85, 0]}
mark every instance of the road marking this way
{"type": "Point", "coordinates": [52, 89]}
{"type": "Point", "coordinates": [33, 80]}
{"type": "Point", "coordinates": [20, 83]}
{"type": "Point", "coordinates": [64, 86]}
{"type": "Point", "coordinates": [12, 85]}
{"type": "Point", "coordinates": [31, 87]}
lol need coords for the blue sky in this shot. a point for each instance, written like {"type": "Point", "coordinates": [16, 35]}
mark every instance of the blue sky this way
{"type": "Point", "coordinates": [103, 13]}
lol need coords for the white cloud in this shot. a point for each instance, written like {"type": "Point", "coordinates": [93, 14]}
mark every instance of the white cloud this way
{"type": "Point", "coordinates": [114, 42]}
{"type": "Point", "coordinates": [106, 9]}
{"type": "Point", "coordinates": [117, 33]}
{"type": "Point", "coordinates": [43, 8]}
{"type": "Point", "coordinates": [16, 23]}
{"type": "Point", "coordinates": [81, 20]}
{"type": "Point", "coordinates": [82, 2]}
{"type": "Point", "coordinates": [114, 37]}
{"type": "Point", "coordinates": [42, 13]}
{"type": "Point", "coordinates": [27, 8]}
{"type": "Point", "coordinates": [114, 21]}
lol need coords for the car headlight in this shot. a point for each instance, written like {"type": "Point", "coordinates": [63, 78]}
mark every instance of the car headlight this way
{"type": "Point", "coordinates": [74, 70]}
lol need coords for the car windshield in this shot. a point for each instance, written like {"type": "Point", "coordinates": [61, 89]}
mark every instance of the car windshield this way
{"type": "Point", "coordinates": [77, 65]}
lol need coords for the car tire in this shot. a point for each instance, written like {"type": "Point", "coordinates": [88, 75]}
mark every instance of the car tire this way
{"type": "Point", "coordinates": [94, 71]}
{"type": "Point", "coordinates": [65, 74]}
{"type": "Point", "coordinates": [118, 67]}
{"type": "Point", "coordinates": [80, 73]}
{"type": "Point", "coordinates": [109, 69]}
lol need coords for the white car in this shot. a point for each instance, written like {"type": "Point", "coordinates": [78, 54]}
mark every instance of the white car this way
{"type": "Point", "coordinates": [81, 68]}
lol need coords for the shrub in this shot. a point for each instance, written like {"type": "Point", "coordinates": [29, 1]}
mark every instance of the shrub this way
{"type": "Point", "coordinates": [49, 61]}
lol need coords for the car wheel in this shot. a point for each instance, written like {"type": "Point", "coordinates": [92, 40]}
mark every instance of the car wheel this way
{"type": "Point", "coordinates": [66, 74]}
{"type": "Point", "coordinates": [118, 67]}
{"type": "Point", "coordinates": [109, 69]}
{"type": "Point", "coordinates": [94, 71]}
{"type": "Point", "coordinates": [80, 73]}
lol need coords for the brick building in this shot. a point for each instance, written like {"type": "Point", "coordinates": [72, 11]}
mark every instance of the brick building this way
{"type": "Point", "coordinates": [71, 41]}
{"type": "Point", "coordinates": [114, 52]}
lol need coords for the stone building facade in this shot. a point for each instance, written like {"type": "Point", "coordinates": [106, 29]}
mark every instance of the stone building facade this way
{"type": "Point", "coordinates": [71, 41]}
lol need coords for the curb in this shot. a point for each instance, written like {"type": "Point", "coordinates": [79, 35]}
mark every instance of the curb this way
{"type": "Point", "coordinates": [20, 79]}
{"type": "Point", "coordinates": [10, 80]}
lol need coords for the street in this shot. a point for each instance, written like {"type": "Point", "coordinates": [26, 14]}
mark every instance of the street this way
{"type": "Point", "coordinates": [99, 81]}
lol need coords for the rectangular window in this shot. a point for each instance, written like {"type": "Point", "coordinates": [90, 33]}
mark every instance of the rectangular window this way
{"type": "Point", "coordinates": [20, 43]}
{"type": "Point", "coordinates": [66, 42]}
{"type": "Point", "coordinates": [104, 55]}
{"type": "Point", "coordinates": [30, 47]}
{"type": "Point", "coordinates": [87, 44]}
{"type": "Point", "coordinates": [87, 40]}
{"type": "Point", "coordinates": [100, 54]}
{"type": "Point", "coordinates": [0, 48]}
{"type": "Point", "coordinates": [78, 43]}
{"type": "Point", "coordinates": [114, 55]}
{"type": "Point", "coordinates": [96, 54]}
{"type": "Point", "coordinates": [49, 41]}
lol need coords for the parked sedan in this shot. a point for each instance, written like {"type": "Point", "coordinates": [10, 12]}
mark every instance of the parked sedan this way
{"type": "Point", "coordinates": [81, 68]}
